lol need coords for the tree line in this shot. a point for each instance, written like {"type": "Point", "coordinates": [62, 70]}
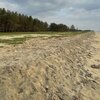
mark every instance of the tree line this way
{"type": "Point", "coordinates": [15, 22]}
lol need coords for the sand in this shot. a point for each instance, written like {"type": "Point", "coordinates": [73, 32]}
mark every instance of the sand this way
{"type": "Point", "coordinates": [57, 68]}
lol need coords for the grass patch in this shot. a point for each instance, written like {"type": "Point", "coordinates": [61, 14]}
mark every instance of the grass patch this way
{"type": "Point", "coordinates": [41, 33]}
{"type": "Point", "coordinates": [14, 40]}
{"type": "Point", "coordinates": [22, 33]}
{"type": "Point", "coordinates": [21, 40]}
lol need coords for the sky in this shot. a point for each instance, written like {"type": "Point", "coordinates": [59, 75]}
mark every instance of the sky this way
{"type": "Point", "coordinates": [84, 14]}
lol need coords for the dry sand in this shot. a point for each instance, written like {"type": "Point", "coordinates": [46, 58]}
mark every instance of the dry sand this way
{"type": "Point", "coordinates": [93, 67]}
{"type": "Point", "coordinates": [59, 68]}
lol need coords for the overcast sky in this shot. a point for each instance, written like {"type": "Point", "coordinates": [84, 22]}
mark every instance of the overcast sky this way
{"type": "Point", "coordinates": [84, 14]}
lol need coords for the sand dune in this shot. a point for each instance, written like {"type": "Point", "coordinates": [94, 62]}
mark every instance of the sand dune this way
{"type": "Point", "coordinates": [57, 68]}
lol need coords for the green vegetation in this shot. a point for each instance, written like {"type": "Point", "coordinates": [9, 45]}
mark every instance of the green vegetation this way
{"type": "Point", "coordinates": [15, 22]}
{"type": "Point", "coordinates": [14, 40]}
{"type": "Point", "coordinates": [28, 35]}
{"type": "Point", "coordinates": [41, 33]}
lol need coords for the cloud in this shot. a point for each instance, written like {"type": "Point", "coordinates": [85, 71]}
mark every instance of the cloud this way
{"type": "Point", "coordinates": [78, 12]}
